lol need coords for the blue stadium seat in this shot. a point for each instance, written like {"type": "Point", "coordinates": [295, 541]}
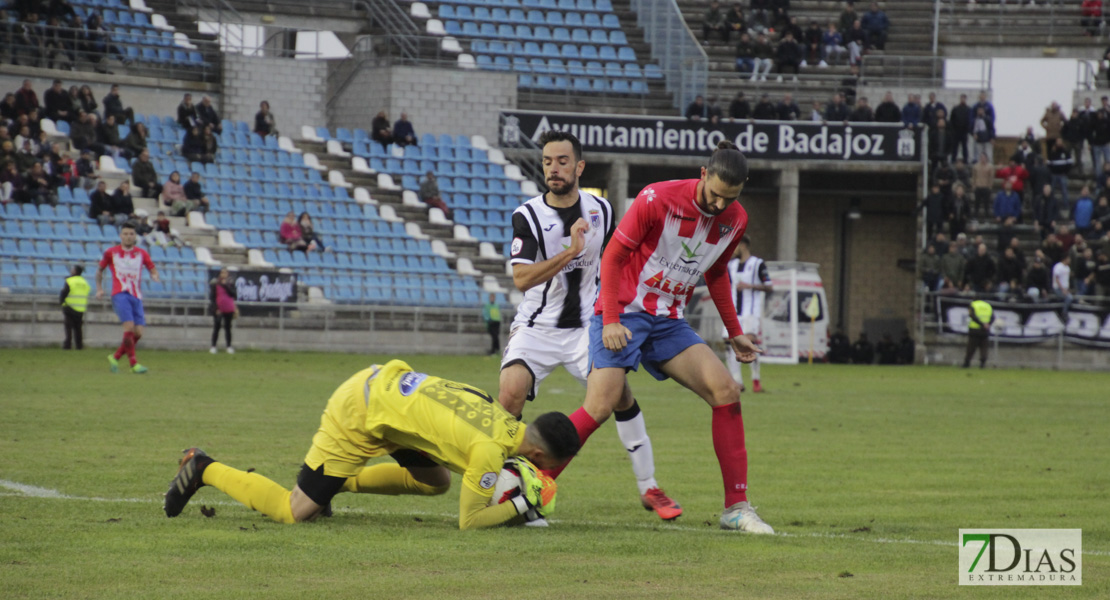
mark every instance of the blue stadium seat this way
{"type": "Point", "coordinates": [569, 51]}
{"type": "Point", "coordinates": [446, 11]}
{"type": "Point", "coordinates": [593, 69]}
{"type": "Point", "coordinates": [536, 17]}
{"type": "Point", "coordinates": [520, 65]}
{"type": "Point", "coordinates": [516, 17]}
{"type": "Point", "coordinates": [588, 52]}
{"type": "Point", "coordinates": [481, 13]}
{"type": "Point", "coordinates": [573, 19]}
{"type": "Point", "coordinates": [561, 35]}
{"type": "Point", "coordinates": [554, 18]}
{"type": "Point", "coordinates": [532, 49]}
{"type": "Point", "coordinates": [607, 53]}
{"type": "Point", "coordinates": [626, 54]}
{"type": "Point", "coordinates": [603, 6]}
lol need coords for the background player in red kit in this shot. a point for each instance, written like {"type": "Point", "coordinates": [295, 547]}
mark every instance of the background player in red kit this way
{"type": "Point", "coordinates": [127, 262]}
{"type": "Point", "coordinates": [674, 233]}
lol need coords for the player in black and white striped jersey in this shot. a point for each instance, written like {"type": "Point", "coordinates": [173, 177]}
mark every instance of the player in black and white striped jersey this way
{"type": "Point", "coordinates": [558, 238]}
{"type": "Point", "coordinates": [750, 284]}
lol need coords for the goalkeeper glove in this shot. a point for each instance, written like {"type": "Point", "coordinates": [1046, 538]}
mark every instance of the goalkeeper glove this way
{"type": "Point", "coordinates": [536, 496]}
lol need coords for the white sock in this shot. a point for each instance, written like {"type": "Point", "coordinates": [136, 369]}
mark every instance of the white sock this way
{"type": "Point", "coordinates": [733, 366]}
{"type": "Point", "coordinates": [633, 433]}
{"type": "Point", "coordinates": [755, 368]}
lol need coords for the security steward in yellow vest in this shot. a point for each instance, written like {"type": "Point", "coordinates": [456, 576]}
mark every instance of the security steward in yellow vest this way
{"type": "Point", "coordinates": [75, 300]}
{"type": "Point", "coordinates": [980, 318]}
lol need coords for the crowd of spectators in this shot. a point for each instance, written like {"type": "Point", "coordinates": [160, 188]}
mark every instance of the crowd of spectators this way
{"type": "Point", "coordinates": [864, 352]}
{"type": "Point", "coordinates": [297, 233]}
{"type": "Point", "coordinates": [48, 33]}
{"type": "Point", "coordinates": [401, 133]}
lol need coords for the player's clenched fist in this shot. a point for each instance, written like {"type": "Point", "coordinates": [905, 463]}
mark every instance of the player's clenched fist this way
{"type": "Point", "coordinates": [615, 337]}
{"type": "Point", "coordinates": [578, 235]}
{"type": "Point", "coordinates": [745, 348]}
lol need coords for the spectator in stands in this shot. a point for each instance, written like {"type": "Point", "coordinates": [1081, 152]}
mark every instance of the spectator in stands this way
{"type": "Point", "coordinates": [135, 142]}
{"type": "Point", "coordinates": [86, 170]}
{"type": "Point", "coordinates": [87, 101]}
{"type": "Point", "coordinates": [107, 135]}
{"type": "Point", "coordinates": [113, 107]}
{"type": "Point", "coordinates": [764, 58]}
{"type": "Point", "coordinates": [27, 35]}
{"type": "Point", "coordinates": [1074, 134]}
{"type": "Point", "coordinates": [55, 46]}
{"type": "Point", "coordinates": [429, 193]}
{"type": "Point", "coordinates": [77, 39]}
{"type": "Point", "coordinates": [836, 110]}
{"type": "Point", "coordinates": [696, 111]}
{"type": "Point", "coordinates": [173, 196]}
{"type": "Point", "coordinates": [984, 104]}
{"type": "Point", "coordinates": [207, 115]}
{"type": "Point", "coordinates": [194, 194]}
{"type": "Point", "coordinates": [11, 184]}
{"type": "Point", "coordinates": [1059, 163]}
{"type": "Point", "coordinates": [1052, 248]}
{"type": "Point", "coordinates": [144, 176]}
{"type": "Point", "coordinates": [221, 303]}
{"type": "Point", "coordinates": [788, 55]}
{"type": "Point", "coordinates": [100, 205]}
{"type": "Point", "coordinates": [855, 39]}
{"type": "Point", "coordinates": [795, 30]}
{"type": "Point", "coordinates": [380, 131]}
{"type": "Point", "coordinates": [26, 99]}
{"type": "Point", "coordinates": [811, 44]}
{"type": "Point", "coordinates": [930, 268]}
{"type": "Point", "coordinates": [1102, 274]}
{"type": "Point", "coordinates": [309, 235]}
{"type": "Point", "coordinates": [933, 111]}
{"type": "Point", "coordinates": [764, 109]}
{"type": "Point", "coordinates": [849, 84]}
{"type": "Point", "coordinates": [959, 121]}
{"type": "Point", "coordinates": [714, 21]}
{"type": "Point", "coordinates": [59, 9]}
{"type": "Point", "coordinates": [760, 11]}
{"type": "Point", "coordinates": [940, 143]}
{"type": "Point", "coordinates": [1092, 16]}
{"type": "Point", "coordinates": [745, 55]}
{"type": "Point", "coordinates": [1037, 280]}
{"type": "Point", "coordinates": [61, 168]}
{"type": "Point", "coordinates": [1016, 174]}
{"type": "Point", "coordinates": [863, 352]}
{"type": "Point", "coordinates": [25, 157]}
{"type": "Point", "coordinates": [961, 174]}
{"type": "Point", "coordinates": [1083, 212]}
{"type": "Point", "coordinates": [163, 235]}
{"type": "Point", "coordinates": [959, 210]}
{"type": "Point", "coordinates": [1100, 141]}
{"type": "Point", "coordinates": [1100, 217]}
{"type": "Point", "coordinates": [862, 112]}
{"type": "Point", "coordinates": [832, 45]}
{"type": "Point", "coordinates": [1061, 281]}
{"type": "Point", "coordinates": [290, 233]}
{"type": "Point", "coordinates": [122, 203]}
{"type": "Point", "coordinates": [935, 209]}
{"type": "Point", "coordinates": [735, 20]}
{"type": "Point", "coordinates": [193, 147]}
{"type": "Point", "coordinates": [1007, 203]}
{"type": "Point", "coordinates": [74, 299]}
{"type": "Point", "coordinates": [1084, 272]}
{"type": "Point", "coordinates": [982, 130]}
{"type": "Point", "coordinates": [8, 110]}
{"type": "Point", "coordinates": [911, 112]}
{"type": "Point", "coordinates": [739, 108]}
{"type": "Point", "coordinates": [817, 112]}
{"type": "Point", "coordinates": [403, 132]}
{"type": "Point", "coordinates": [1009, 273]}
{"type": "Point", "coordinates": [59, 107]}
{"type": "Point", "coordinates": [848, 15]}
{"type": "Point", "coordinates": [713, 112]}
{"type": "Point", "coordinates": [876, 24]}
{"type": "Point", "coordinates": [952, 266]}
{"type": "Point", "coordinates": [780, 15]}
{"type": "Point", "coordinates": [787, 109]}
{"type": "Point", "coordinates": [1053, 124]}
{"type": "Point", "coordinates": [187, 113]}
{"type": "Point", "coordinates": [981, 271]}
{"type": "Point", "coordinates": [264, 123]}
{"type": "Point", "coordinates": [888, 111]}
{"type": "Point", "coordinates": [491, 315]}
{"type": "Point", "coordinates": [211, 143]}
{"type": "Point", "coordinates": [23, 138]}
{"type": "Point", "coordinates": [840, 348]}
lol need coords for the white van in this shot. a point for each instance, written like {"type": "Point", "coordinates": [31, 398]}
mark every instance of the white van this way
{"type": "Point", "coordinates": [796, 284]}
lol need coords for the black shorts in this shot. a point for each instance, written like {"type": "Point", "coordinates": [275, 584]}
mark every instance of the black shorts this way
{"type": "Point", "coordinates": [322, 488]}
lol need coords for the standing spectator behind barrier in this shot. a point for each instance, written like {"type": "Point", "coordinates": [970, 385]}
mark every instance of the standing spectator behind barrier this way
{"type": "Point", "coordinates": [1061, 281]}
{"type": "Point", "coordinates": [1102, 274]}
{"type": "Point", "coordinates": [221, 302]}
{"type": "Point", "coordinates": [429, 193]}
{"type": "Point", "coordinates": [403, 132]}
{"type": "Point", "coordinates": [887, 111]}
{"type": "Point", "coordinates": [194, 194]}
{"type": "Point", "coordinates": [940, 143]}
{"type": "Point", "coordinates": [982, 131]}
{"type": "Point", "coordinates": [862, 113]}
{"type": "Point", "coordinates": [695, 111]}
{"type": "Point", "coordinates": [980, 318]}
{"type": "Point", "coordinates": [113, 106]}
{"type": "Point", "coordinates": [491, 315]}
{"type": "Point", "coordinates": [934, 111]}
{"type": "Point", "coordinates": [739, 108]}
{"type": "Point", "coordinates": [960, 121]}
{"type": "Point", "coordinates": [863, 352]}
{"type": "Point", "coordinates": [75, 301]}
{"type": "Point", "coordinates": [959, 209]}
{"type": "Point", "coordinates": [380, 131]}
{"type": "Point", "coordinates": [264, 122]}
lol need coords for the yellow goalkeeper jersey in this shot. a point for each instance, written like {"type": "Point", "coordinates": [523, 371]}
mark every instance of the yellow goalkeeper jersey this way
{"type": "Point", "coordinates": [387, 407]}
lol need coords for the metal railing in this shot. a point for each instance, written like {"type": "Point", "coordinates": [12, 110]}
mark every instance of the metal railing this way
{"type": "Point", "coordinates": [1087, 76]}
{"type": "Point", "coordinates": [919, 71]}
{"type": "Point", "coordinates": [138, 54]}
{"type": "Point", "coordinates": [681, 57]}
{"type": "Point", "coordinates": [527, 157]}
{"type": "Point", "coordinates": [1009, 21]}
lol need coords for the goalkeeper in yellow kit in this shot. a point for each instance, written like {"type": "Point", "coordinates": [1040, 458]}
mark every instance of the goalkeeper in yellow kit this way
{"type": "Point", "coordinates": [427, 425]}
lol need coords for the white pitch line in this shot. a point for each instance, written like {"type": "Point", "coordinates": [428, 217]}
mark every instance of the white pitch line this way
{"type": "Point", "coordinates": [23, 490]}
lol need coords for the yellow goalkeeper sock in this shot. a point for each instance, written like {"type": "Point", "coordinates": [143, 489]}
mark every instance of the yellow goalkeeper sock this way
{"type": "Point", "coordinates": [389, 479]}
{"type": "Point", "coordinates": [252, 489]}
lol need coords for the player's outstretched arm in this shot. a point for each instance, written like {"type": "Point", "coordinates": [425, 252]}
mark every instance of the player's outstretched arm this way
{"type": "Point", "coordinates": [474, 514]}
{"type": "Point", "coordinates": [526, 277]}
{"type": "Point", "coordinates": [99, 282]}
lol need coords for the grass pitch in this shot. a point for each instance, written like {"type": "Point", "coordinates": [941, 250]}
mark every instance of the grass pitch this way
{"type": "Point", "coordinates": [867, 473]}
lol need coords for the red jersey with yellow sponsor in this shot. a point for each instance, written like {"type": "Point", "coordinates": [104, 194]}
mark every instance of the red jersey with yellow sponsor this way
{"type": "Point", "coordinates": [673, 243]}
{"type": "Point", "coordinates": [127, 268]}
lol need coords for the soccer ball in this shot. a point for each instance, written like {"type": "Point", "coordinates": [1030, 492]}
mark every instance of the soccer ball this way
{"type": "Point", "coordinates": [508, 481]}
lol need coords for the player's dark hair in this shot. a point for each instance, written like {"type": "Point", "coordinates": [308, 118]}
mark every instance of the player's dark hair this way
{"type": "Point", "coordinates": [554, 135]}
{"type": "Point", "coordinates": [728, 164]}
{"type": "Point", "coordinates": [78, 269]}
{"type": "Point", "coordinates": [127, 225]}
{"type": "Point", "coordinates": [746, 240]}
{"type": "Point", "coordinates": [558, 433]}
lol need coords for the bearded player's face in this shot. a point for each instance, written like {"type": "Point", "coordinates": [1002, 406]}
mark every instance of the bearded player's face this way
{"type": "Point", "coordinates": [560, 169]}
{"type": "Point", "coordinates": [716, 195]}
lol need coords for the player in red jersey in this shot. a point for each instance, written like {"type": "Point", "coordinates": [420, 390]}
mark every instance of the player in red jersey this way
{"type": "Point", "coordinates": [127, 264]}
{"type": "Point", "coordinates": [674, 233]}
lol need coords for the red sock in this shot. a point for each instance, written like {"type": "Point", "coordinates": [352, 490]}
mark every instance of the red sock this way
{"type": "Point", "coordinates": [586, 425]}
{"type": "Point", "coordinates": [128, 340]}
{"type": "Point", "coordinates": [131, 349]}
{"type": "Point", "coordinates": [732, 454]}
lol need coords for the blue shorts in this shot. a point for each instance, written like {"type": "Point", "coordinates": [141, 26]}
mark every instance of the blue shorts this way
{"type": "Point", "coordinates": [655, 340]}
{"type": "Point", "coordinates": [128, 308]}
